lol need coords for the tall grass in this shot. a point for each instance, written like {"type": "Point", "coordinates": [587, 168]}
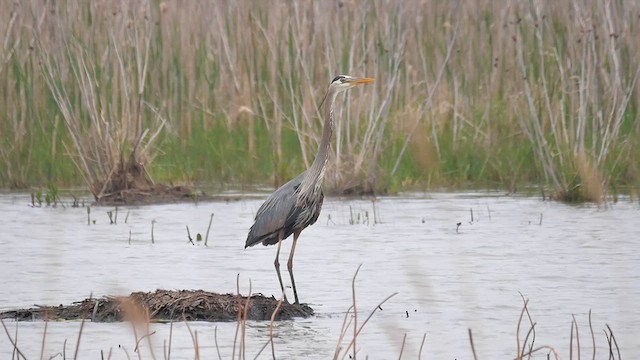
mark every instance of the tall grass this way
{"type": "Point", "coordinates": [498, 94]}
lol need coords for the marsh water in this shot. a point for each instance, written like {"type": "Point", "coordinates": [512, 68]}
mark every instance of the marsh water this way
{"type": "Point", "coordinates": [565, 259]}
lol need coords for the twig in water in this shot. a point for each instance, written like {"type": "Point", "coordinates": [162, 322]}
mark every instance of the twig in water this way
{"type": "Point", "coordinates": [519, 355]}
{"type": "Point", "coordinates": [44, 336]}
{"type": "Point", "coordinates": [544, 347]}
{"type": "Point", "coordinates": [458, 226]}
{"type": "Point", "coordinates": [194, 338]}
{"type": "Point", "coordinates": [614, 341]}
{"type": "Point", "coordinates": [610, 344]}
{"type": "Point", "coordinates": [473, 348]}
{"type": "Point", "coordinates": [189, 235]}
{"type": "Point", "coordinates": [215, 340]}
{"type": "Point", "coordinates": [15, 348]}
{"type": "Point", "coordinates": [376, 219]}
{"type": "Point", "coordinates": [149, 333]}
{"type": "Point", "coordinates": [471, 211]}
{"type": "Point", "coordinates": [531, 329]}
{"type": "Point", "coordinates": [129, 236]}
{"type": "Point", "coordinates": [88, 215]}
{"type": "Point", "coordinates": [367, 320]}
{"type": "Point", "coordinates": [75, 355]}
{"type": "Point", "coordinates": [152, 223]}
{"type": "Point", "coordinates": [571, 342]}
{"type": "Point", "coordinates": [575, 323]}
{"type": "Point", "coordinates": [540, 220]}
{"type": "Point", "coordinates": [206, 237]}
{"type": "Point", "coordinates": [343, 332]}
{"type": "Point", "coordinates": [13, 342]}
{"type": "Point", "coordinates": [139, 340]}
{"type": "Point", "coordinates": [355, 310]}
{"type": "Point", "coordinates": [404, 340]}
{"type": "Point", "coordinates": [125, 352]}
{"type": "Point", "coordinates": [244, 323]}
{"type": "Point", "coordinates": [126, 218]}
{"type": "Point", "coordinates": [170, 338]}
{"type": "Point", "coordinates": [273, 318]}
{"type": "Point", "coordinates": [424, 337]}
{"type": "Point", "coordinates": [593, 338]}
{"type": "Point", "coordinates": [239, 318]}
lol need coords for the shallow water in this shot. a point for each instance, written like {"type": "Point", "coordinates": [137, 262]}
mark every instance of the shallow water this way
{"type": "Point", "coordinates": [565, 259]}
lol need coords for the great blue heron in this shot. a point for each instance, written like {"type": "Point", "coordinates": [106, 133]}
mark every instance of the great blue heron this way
{"type": "Point", "coordinates": [296, 204]}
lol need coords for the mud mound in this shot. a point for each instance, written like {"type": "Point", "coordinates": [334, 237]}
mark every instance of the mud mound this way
{"type": "Point", "coordinates": [162, 305]}
{"type": "Point", "coordinates": [154, 194]}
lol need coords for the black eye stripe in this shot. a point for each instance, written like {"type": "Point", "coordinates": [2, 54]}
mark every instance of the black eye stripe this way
{"type": "Point", "coordinates": [339, 77]}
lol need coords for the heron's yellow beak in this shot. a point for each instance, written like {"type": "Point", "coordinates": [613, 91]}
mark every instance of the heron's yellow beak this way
{"type": "Point", "coordinates": [361, 81]}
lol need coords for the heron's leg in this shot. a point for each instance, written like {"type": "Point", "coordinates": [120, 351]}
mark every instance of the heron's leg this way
{"type": "Point", "coordinates": [276, 263]}
{"type": "Point", "coordinates": [290, 264]}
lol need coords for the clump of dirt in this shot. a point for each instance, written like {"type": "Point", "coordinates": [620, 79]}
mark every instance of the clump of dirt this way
{"type": "Point", "coordinates": [149, 194]}
{"type": "Point", "coordinates": [129, 183]}
{"type": "Point", "coordinates": [164, 305]}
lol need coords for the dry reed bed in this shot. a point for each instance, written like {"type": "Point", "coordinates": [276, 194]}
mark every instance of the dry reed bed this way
{"type": "Point", "coordinates": [509, 92]}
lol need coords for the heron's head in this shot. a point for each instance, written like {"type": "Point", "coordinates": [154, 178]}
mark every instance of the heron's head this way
{"type": "Point", "coordinates": [344, 82]}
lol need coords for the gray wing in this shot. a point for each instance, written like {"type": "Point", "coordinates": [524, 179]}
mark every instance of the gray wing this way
{"type": "Point", "coordinates": [274, 214]}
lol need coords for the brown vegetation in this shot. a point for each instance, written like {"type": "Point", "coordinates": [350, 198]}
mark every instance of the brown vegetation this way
{"type": "Point", "coordinates": [533, 92]}
{"type": "Point", "coordinates": [164, 305]}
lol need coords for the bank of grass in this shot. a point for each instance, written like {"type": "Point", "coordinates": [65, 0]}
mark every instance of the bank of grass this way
{"type": "Point", "coordinates": [476, 94]}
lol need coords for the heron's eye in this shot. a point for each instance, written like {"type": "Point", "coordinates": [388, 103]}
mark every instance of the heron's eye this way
{"type": "Point", "coordinates": [339, 77]}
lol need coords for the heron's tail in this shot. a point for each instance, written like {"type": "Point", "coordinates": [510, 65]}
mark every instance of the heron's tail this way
{"type": "Point", "coordinates": [265, 239]}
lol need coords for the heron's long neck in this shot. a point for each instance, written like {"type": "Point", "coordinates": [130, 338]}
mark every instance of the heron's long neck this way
{"type": "Point", "coordinates": [315, 173]}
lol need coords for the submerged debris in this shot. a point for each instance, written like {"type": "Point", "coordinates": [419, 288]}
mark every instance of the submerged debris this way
{"type": "Point", "coordinates": [164, 305]}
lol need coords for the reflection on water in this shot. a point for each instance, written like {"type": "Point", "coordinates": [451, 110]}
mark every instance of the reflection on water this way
{"type": "Point", "coordinates": [565, 259]}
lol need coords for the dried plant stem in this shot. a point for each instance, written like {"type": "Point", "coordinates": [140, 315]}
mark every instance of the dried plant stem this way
{"type": "Point", "coordinates": [524, 307]}
{"type": "Point", "coordinates": [215, 339]}
{"type": "Point", "coordinates": [404, 340]}
{"type": "Point", "coordinates": [575, 323]}
{"type": "Point", "coordinates": [12, 341]}
{"type": "Point", "coordinates": [244, 323]}
{"type": "Point", "coordinates": [271, 323]}
{"type": "Point", "coordinates": [75, 354]}
{"type": "Point", "coordinates": [473, 348]}
{"type": "Point", "coordinates": [168, 357]}
{"type": "Point", "coordinates": [593, 337]}
{"type": "Point", "coordinates": [367, 320]}
{"type": "Point", "coordinates": [355, 310]}
{"type": "Point", "coordinates": [239, 317]}
{"type": "Point", "coordinates": [44, 337]}
{"type": "Point", "coordinates": [424, 338]}
{"type": "Point", "coordinates": [206, 237]}
{"type": "Point", "coordinates": [615, 342]}
{"type": "Point", "coordinates": [194, 339]}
